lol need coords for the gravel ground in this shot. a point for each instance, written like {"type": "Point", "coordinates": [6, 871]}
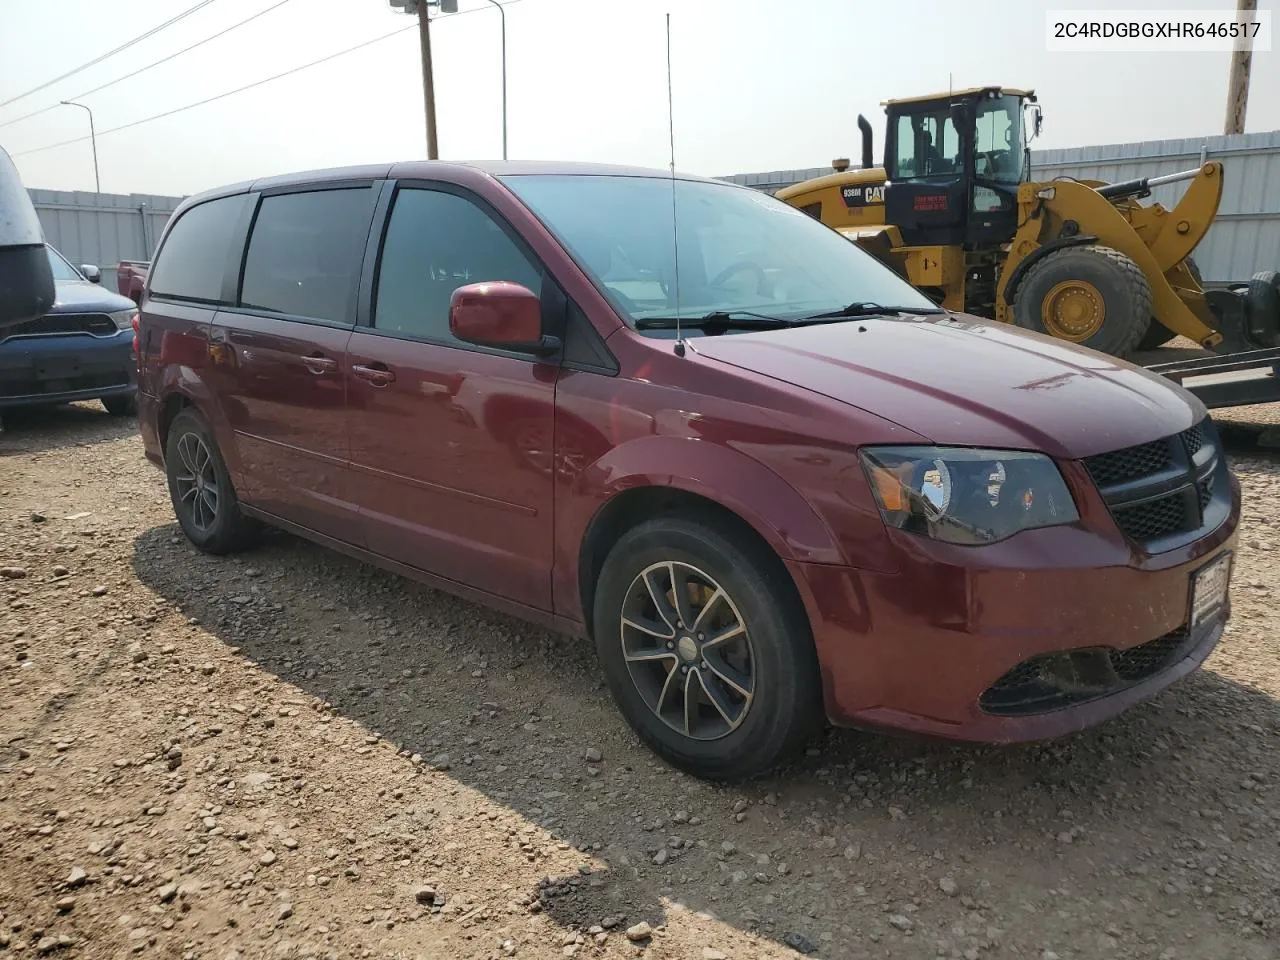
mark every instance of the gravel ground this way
{"type": "Point", "coordinates": [288, 754]}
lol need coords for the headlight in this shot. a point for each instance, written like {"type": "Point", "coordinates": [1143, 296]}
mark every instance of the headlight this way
{"type": "Point", "coordinates": [969, 496]}
{"type": "Point", "coordinates": [123, 319]}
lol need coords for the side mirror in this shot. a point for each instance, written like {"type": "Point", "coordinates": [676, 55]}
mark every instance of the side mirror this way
{"type": "Point", "coordinates": [960, 116]}
{"type": "Point", "coordinates": [507, 316]}
{"type": "Point", "coordinates": [91, 272]}
{"type": "Point", "coordinates": [1039, 120]}
{"type": "Point", "coordinates": [26, 279]}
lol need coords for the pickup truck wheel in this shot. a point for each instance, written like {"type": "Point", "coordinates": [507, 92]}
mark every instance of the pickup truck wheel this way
{"type": "Point", "coordinates": [708, 654]}
{"type": "Point", "coordinates": [204, 501]}
{"type": "Point", "coordinates": [1094, 296]}
{"type": "Point", "coordinates": [120, 406]}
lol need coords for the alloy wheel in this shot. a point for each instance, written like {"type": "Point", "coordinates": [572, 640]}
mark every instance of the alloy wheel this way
{"type": "Point", "coordinates": [688, 650]}
{"type": "Point", "coordinates": [197, 482]}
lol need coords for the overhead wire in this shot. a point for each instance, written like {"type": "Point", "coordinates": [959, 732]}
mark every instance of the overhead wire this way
{"type": "Point", "coordinates": [156, 63]}
{"type": "Point", "coordinates": [220, 96]}
{"type": "Point", "coordinates": [110, 53]}
{"type": "Point", "coordinates": [247, 86]}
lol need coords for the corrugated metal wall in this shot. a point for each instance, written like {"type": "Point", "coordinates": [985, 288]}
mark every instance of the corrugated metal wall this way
{"type": "Point", "coordinates": [1244, 239]}
{"type": "Point", "coordinates": [102, 228]}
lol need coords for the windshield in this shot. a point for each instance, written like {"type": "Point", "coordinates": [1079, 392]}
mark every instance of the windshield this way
{"type": "Point", "coordinates": [998, 139]}
{"type": "Point", "coordinates": [739, 250]}
{"type": "Point", "coordinates": [61, 269]}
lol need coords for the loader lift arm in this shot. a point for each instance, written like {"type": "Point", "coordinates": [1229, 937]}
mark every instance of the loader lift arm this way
{"type": "Point", "coordinates": [1156, 239]}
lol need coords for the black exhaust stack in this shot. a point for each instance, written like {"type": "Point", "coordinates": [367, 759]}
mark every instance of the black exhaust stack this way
{"type": "Point", "coordinates": [865, 127]}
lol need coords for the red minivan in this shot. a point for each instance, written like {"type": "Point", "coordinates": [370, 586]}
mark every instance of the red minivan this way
{"type": "Point", "coordinates": [771, 481]}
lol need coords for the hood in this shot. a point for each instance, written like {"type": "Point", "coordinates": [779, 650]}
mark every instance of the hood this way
{"type": "Point", "coordinates": [80, 296]}
{"type": "Point", "coordinates": [962, 381]}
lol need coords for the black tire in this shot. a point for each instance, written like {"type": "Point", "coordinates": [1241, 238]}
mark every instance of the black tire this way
{"type": "Point", "coordinates": [785, 709]}
{"type": "Point", "coordinates": [1158, 334]}
{"type": "Point", "coordinates": [121, 406]}
{"type": "Point", "coordinates": [228, 530]}
{"type": "Point", "coordinates": [1125, 294]}
{"type": "Point", "coordinates": [1264, 308]}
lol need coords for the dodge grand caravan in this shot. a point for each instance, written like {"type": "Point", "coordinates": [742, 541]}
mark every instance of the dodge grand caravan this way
{"type": "Point", "coordinates": [768, 479]}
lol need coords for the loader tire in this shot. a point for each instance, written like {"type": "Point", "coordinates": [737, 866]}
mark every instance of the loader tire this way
{"type": "Point", "coordinates": [1264, 308]}
{"type": "Point", "coordinates": [1158, 334]}
{"type": "Point", "coordinates": [1094, 296]}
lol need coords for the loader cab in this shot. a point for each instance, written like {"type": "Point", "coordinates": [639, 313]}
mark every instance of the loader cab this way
{"type": "Point", "coordinates": [954, 163]}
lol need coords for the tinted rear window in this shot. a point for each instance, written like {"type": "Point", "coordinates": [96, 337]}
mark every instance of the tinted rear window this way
{"type": "Point", "coordinates": [191, 263]}
{"type": "Point", "coordinates": [305, 252]}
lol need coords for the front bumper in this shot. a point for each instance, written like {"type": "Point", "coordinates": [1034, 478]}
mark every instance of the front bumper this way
{"type": "Point", "coordinates": [917, 650]}
{"type": "Point", "coordinates": [63, 367]}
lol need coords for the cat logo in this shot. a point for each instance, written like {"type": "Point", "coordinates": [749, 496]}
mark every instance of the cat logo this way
{"type": "Point", "coordinates": [860, 196]}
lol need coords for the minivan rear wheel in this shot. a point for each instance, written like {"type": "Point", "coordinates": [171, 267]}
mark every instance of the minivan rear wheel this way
{"type": "Point", "coordinates": [706, 649]}
{"type": "Point", "coordinates": [204, 501]}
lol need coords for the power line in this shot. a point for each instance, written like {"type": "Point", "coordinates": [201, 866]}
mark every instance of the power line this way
{"type": "Point", "coordinates": [249, 86]}
{"type": "Point", "coordinates": [220, 96]}
{"type": "Point", "coordinates": [110, 53]}
{"type": "Point", "coordinates": [111, 83]}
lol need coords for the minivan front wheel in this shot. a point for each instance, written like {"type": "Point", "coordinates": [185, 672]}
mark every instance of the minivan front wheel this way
{"type": "Point", "coordinates": [204, 500]}
{"type": "Point", "coordinates": [687, 647]}
{"type": "Point", "coordinates": [707, 652]}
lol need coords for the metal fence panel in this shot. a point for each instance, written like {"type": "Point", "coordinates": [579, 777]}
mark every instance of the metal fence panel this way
{"type": "Point", "coordinates": [102, 228]}
{"type": "Point", "coordinates": [1243, 240]}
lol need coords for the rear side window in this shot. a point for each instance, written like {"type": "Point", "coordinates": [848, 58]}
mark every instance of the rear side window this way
{"type": "Point", "coordinates": [435, 243]}
{"type": "Point", "coordinates": [305, 252]}
{"type": "Point", "coordinates": [191, 264]}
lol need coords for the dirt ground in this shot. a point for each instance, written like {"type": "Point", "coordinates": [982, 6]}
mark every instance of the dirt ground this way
{"type": "Point", "coordinates": [288, 754]}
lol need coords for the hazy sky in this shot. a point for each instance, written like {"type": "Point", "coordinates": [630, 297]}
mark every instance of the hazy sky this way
{"type": "Point", "coordinates": [758, 85]}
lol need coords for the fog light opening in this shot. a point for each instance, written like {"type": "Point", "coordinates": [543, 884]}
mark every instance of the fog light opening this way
{"type": "Point", "coordinates": [1080, 671]}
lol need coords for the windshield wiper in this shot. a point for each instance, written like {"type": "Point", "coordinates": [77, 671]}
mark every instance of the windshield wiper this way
{"type": "Point", "coordinates": [865, 308]}
{"type": "Point", "coordinates": [724, 319]}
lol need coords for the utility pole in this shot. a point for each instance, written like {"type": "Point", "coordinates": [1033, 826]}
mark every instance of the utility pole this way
{"type": "Point", "coordinates": [1241, 61]}
{"type": "Point", "coordinates": [422, 9]}
{"type": "Point", "coordinates": [424, 33]}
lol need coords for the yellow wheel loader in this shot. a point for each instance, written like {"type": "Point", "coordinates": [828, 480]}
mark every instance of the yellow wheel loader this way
{"type": "Point", "coordinates": [955, 211]}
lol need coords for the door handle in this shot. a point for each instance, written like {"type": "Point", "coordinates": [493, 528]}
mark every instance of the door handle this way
{"type": "Point", "coordinates": [379, 375]}
{"type": "Point", "coordinates": [320, 365]}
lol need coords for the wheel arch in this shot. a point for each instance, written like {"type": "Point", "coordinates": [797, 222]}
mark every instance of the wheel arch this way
{"type": "Point", "coordinates": [170, 406]}
{"type": "Point", "coordinates": [716, 484]}
{"type": "Point", "coordinates": [636, 505]}
{"type": "Point", "coordinates": [189, 392]}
